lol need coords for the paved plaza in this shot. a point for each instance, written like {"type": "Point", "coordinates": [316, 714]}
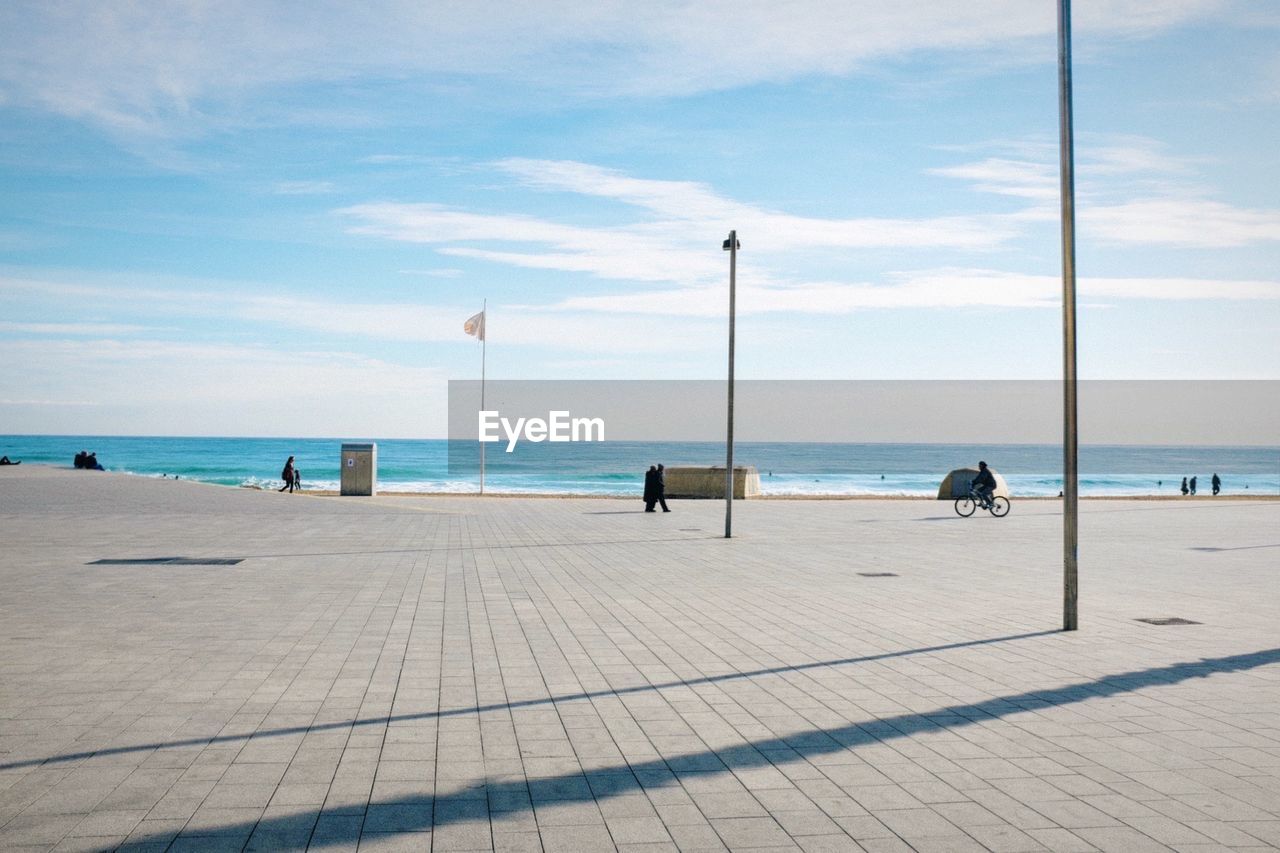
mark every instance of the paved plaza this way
{"type": "Point", "coordinates": [187, 667]}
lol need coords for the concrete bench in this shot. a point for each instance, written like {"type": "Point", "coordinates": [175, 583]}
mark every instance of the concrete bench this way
{"type": "Point", "coordinates": [691, 482]}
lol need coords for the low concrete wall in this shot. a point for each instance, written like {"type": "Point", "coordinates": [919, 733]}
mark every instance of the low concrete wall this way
{"type": "Point", "coordinates": [708, 482]}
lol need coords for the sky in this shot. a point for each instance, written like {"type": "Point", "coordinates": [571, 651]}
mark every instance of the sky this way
{"type": "Point", "coordinates": [247, 218]}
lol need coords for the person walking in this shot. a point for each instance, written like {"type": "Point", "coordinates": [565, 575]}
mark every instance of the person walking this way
{"type": "Point", "coordinates": [650, 488]}
{"type": "Point", "coordinates": [1185, 488]}
{"type": "Point", "coordinates": [1216, 482]}
{"type": "Point", "coordinates": [661, 493]}
{"type": "Point", "coordinates": [297, 479]}
{"type": "Point", "coordinates": [1193, 486]}
{"type": "Point", "coordinates": [287, 476]}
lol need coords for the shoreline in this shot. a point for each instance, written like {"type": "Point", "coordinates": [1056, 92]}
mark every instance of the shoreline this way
{"type": "Point", "coordinates": [326, 493]}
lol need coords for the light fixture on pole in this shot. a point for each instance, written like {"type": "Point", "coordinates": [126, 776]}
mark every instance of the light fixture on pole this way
{"type": "Point", "coordinates": [731, 246]}
{"type": "Point", "coordinates": [1070, 474]}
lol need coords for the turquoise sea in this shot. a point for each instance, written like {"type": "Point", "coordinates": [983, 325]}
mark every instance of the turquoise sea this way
{"type": "Point", "coordinates": [616, 468]}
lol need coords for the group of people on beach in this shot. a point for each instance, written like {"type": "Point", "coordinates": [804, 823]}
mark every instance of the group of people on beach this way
{"type": "Point", "coordinates": [1189, 486]}
{"type": "Point", "coordinates": [292, 477]}
{"type": "Point", "coordinates": [655, 488]}
{"type": "Point", "coordinates": [88, 461]}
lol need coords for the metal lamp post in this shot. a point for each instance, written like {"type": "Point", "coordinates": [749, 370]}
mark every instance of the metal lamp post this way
{"type": "Point", "coordinates": [1070, 474]}
{"type": "Point", "coordinates": [731, 246]}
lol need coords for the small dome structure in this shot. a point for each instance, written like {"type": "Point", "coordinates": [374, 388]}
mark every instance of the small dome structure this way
{"type": "Point", "coordinates": [957, 483]}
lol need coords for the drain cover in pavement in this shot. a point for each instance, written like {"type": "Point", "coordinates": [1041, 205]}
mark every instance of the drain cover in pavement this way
{"type": "Point", "coordinates": [1168, 620]}
{"type": "Point", "coordinates": [877, 574]}
{"type": "Point", "coordinates": [170, 561]}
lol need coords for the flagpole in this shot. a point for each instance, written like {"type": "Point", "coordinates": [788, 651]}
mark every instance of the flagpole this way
{"type": "Point", "coordinates": [484, 321]}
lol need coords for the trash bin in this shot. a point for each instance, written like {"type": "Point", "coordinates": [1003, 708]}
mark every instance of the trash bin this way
{"type": "Point", "coordinates": [359, 469]}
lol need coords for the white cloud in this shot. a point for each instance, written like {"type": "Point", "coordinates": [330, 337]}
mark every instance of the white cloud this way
{"type": "Point", "coordinates": [1018, 178]}
{"type": "Point", "coordinates": [681, 222]}
{"type": "Point", "coordinates": [73, 328]}
{"type": "Point", "coordinates": [676, 239]}
{"type": "Point", "coordinates": [1028, 169]}
{"type": "Point", "coordinates": [1120, 155]}
{"type": "Point", "coordinates": [1180, 222]}
{"type": "Point", "coordinates": [677, 203]}
{"type": "Point", "coordinates": [112, 385]}
{"type": "Point", "coordinates": [175, 67]}
{"type": "Point", "coordinates": [929, 289]}
{"type": "Point", "coordinates": [1180, 289]}
{"type": "Point", "coordinates": [1129, 190]}
{"type": "Point", "coordinates": [8, 402]}
{"type": "Point", "coordinates": [179, 300]}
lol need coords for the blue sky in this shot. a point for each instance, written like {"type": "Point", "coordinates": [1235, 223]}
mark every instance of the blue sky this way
{"type": "Point", "coordinates": [228, 219]}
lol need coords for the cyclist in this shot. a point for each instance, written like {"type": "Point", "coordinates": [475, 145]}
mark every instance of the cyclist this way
{"type": "Point", "coordinates": [984, 484]}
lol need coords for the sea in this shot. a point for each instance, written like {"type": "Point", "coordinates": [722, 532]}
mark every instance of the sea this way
{"type": "Point", "coordinates": [617, 467]}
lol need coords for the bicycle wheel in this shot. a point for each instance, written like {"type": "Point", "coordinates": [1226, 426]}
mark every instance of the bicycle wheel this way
{"type": "Point", "coordinates": [965, 507]}
{"type": "Point", "coordinates": [1000, 507]}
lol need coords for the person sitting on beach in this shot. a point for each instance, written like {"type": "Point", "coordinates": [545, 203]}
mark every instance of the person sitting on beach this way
{"type": "Point", "coordinates": [5, 460]}
{"type": "Point", "coordinates": [287, 476]}
{"type": "Point", "coordinates": [91, 463]}
{"type": "Point", "coordinates": [80, 457]}
{"type": "Point", "coordinates": [984, 484]}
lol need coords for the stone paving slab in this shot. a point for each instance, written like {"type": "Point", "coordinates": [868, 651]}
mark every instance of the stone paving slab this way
{"type": "Point", "coordinates": [502, 674]}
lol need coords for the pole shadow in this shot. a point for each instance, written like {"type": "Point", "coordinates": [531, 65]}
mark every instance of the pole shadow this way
{"type": "Point", "coordinates": [525, 703]}
{"type": "Point", "coordinates": [180, 561]}
{"type": "Point", "coordinates": [415, 814]}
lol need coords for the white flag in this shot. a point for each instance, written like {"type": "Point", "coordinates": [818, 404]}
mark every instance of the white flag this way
{"type": "Point", "coordinates": [475, 326]}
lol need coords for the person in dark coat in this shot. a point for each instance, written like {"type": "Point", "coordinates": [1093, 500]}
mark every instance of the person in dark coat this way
{"type": "Point", "coordinates": [1193, 485]}
{"type": "Point", "coordinates": [287, 476]}
{"type": "Point", "coordinates": [80, 458]}
{"type": "Point", "coordinates": [984, 484]}
{"type": "Point", "coordinates": [661, 494]}
{"type": "Point", "coordinates": [1185, 489]}
{"type": "Point", "coordinates": [650, 488]}
{"type": "Point", "coordinates": [1216, 482]}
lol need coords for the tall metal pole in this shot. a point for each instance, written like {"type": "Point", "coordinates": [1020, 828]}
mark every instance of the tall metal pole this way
{"type": "Point", "coordinates": [732, 245]}
{"type": "Point", "coordinates": [1070, 474]}
{"type": "Point", "coordinates": [484, 334]}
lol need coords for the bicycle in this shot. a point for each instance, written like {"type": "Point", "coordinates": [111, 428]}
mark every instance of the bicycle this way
{"type": "Point", "coordinates": [966, 506]}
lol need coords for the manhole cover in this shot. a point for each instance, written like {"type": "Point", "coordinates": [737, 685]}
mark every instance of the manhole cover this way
{"type": "Point", "coordinates": [877, 574]}
{"type": "Point", "coordinates": [170, 561]}
{"type": "Point", "coordinates": [1167, 620]}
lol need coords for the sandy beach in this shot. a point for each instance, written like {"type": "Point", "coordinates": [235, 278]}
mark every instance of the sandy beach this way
{"type": "Point", "coordinates": [187, 666]}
